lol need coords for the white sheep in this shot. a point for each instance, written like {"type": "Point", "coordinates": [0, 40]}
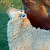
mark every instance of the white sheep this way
{"type": "Point", "coordinates": [13, 27]}
{"type": "Point", "coordinates": [22, 36]}
{"type": "Point", "coordinates": [41, 39]}
{"type": "Point", "coordinates": [18, 35]}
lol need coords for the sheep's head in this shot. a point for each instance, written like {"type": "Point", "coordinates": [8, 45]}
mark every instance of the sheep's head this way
{"type": "Point", "coordinates": [15, 13]}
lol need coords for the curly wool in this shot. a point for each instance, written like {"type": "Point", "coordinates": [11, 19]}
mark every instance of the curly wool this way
{"type": "Point", "coordinates": [22, 36]}
{"type": "Point", "coordinates": [15, 32]}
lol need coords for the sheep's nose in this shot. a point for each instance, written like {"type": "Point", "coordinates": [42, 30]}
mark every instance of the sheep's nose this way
{"type": "Point", "coordinates": [21, 10]}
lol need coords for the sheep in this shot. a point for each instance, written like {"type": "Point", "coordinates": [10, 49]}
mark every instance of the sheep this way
{"type": "Point", "coordinates": [22, 36]}
{"type": "Point", "coordinates": [37, 13]}
{"type": "Point", "coordinates": [15, 29]}
{"type": "Point", "coordinates": [41, 39]}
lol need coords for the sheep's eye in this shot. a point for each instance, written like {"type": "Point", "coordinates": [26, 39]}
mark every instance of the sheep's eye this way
{"type": "Point", "coordinates": [23, 16]}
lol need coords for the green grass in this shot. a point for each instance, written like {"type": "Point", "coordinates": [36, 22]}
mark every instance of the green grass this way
{"type": "Point", "coordinates": [3, 31]}
{"type": "Point", "coordinates": [4, 19]}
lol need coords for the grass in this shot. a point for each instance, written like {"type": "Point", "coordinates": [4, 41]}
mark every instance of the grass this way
{"type": "Point", "coordinates": [4, 19]}
{"type": "Point", "coordinates": [3, 31]}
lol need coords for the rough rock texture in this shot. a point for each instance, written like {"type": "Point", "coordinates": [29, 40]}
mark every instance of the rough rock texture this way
{"type": "Point", "coordinates": [22, 36]}
{"type": "Point", "coordinates": [38, 12]}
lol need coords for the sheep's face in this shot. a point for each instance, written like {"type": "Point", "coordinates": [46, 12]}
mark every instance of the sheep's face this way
{"type": "Point", "coordinates": [15, 13]}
